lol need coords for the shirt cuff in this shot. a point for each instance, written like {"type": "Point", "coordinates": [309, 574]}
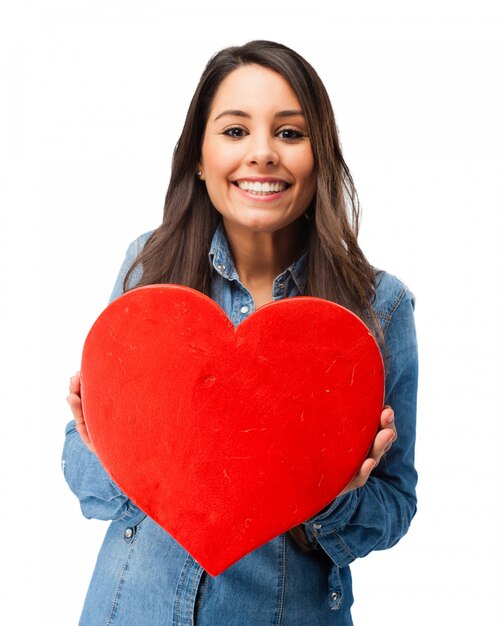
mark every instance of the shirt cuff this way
{"type": "Point", "coordinates": [335, 516]}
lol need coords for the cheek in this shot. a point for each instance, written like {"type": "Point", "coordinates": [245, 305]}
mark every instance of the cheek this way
{"type": "Point", "coordinates": [219, 161]}
{"type": "Point", "coordinates": [305, 168]}
{"type": "Point", "coordinates": [309, 178]}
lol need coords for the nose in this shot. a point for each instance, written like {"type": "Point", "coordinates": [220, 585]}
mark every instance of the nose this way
{"type": "Point", "coordinates": [262, 151]}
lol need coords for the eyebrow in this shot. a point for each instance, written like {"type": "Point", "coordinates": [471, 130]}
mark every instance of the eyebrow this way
{"type": "Point", "coordinates": [238, 113]}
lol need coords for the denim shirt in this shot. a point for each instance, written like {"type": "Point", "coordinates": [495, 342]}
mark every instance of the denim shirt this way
{"type": "Point", "coordinates": [144, 577]}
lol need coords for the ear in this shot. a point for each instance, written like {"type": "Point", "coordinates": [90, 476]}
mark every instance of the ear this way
{"type": "Point", "coordinates": [200, 168]}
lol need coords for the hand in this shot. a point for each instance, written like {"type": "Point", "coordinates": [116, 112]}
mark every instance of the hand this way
{"type": "Point", "coordinates": [382, 443]}
{"type": "Point", "coordinates": [75, 403]}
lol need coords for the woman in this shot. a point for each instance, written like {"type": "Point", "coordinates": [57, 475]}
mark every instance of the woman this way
{"type": "Point", "coordinates": [258, 209]}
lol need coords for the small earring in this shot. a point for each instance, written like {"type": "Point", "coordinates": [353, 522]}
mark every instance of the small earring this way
{"type": "Point", "coordinates": [199, 173]}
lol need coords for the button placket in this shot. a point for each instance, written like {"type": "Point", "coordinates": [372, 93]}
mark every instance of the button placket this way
{"type": "Point", "coordinates": [244, 300]}
{"type": "Point", "coordinates": [279, 285]}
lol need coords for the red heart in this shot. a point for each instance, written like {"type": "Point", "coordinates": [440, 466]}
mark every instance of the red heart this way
{"type": "Point", "coordinates": [228, 436]}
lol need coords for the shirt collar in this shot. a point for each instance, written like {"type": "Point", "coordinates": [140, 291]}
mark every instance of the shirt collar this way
{"type": "Point", "coordinates": [222, 261]}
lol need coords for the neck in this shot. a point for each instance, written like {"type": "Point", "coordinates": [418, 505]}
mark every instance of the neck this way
{"type": "Point", "coordinates": [260, 256]}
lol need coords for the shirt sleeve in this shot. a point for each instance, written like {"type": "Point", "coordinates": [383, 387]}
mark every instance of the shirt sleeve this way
{"type": "Point", "coordinates": [377, 515]}
{"type": "Point", "coordinates": [98, 495]}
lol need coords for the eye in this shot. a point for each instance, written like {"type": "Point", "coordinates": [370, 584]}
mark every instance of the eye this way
{"type": "Point", "coordinates": [235, 132]}
{"type": "Point", "coordinates": [291, 134]}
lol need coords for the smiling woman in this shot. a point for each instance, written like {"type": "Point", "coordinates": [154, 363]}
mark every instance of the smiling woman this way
{"type": "Point", "coordinates": [261, 206]}
{"type": "Point", "coordinates": [258, 142]}
{"type": "Point", "coordinates": [259, 170]}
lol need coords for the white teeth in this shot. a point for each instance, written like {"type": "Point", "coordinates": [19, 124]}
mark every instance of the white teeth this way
{"type": "Point", "coordinates": [258, 187]}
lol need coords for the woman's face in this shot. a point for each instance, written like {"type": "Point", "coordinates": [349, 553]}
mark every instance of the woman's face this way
{"type": "Point", "coordinates": [257, 160]}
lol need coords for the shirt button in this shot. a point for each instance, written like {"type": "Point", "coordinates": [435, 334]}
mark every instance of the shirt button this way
{"type": "Point", "coordinates": [244, 309]}
{"type": "Point", "coordinates": [317, 526]}
{"type": "Point", "coordinates": [334, 595]}
{"type": "Point", "coordinates": [281, 286]}
{"type": "Point", "coordinates": [221, 267]}
{"type": "Point", "coordinates": [128, 533]}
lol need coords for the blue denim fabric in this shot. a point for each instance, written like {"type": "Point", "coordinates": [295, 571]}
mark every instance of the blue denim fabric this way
{"type": "Point", "coordinates": [143, 577]}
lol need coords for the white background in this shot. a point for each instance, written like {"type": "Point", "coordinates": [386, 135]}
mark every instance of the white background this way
{"type": "Point", "coordinates": [93, 97]}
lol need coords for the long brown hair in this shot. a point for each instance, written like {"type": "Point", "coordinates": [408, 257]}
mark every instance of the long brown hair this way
{"type": "Point", "coordinates": [177, 252]}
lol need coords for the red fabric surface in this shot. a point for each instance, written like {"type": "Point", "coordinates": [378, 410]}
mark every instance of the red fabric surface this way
{"type": "Point", "coordinates": [228, 436]}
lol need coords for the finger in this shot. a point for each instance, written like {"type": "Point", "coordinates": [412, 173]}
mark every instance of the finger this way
{"type": "Point", "coordinates": [365, 471]}
{"type": "Point", "coordinates": [76, 407]}
{"type": "Point", "coordinates": [361, 476]}
{"type": "Point", "coordinates": [388, 420]}
{"type": "Point", "coordinates": [382, 443]}
{"type": "Point", "coordinates": [75, 383]}
{"type": "Point", "coordinates": [387, 417]}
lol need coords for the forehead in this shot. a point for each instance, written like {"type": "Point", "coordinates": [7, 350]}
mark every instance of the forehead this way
{"type": "Point", "coordinates": [254, 88]}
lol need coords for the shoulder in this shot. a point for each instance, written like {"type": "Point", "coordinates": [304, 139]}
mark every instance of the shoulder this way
{"type": "Point", "coordinates": [133, 251]}
{"type": "Point", "coordinates": [136, 246]}
{"type": "Point", "coordinates": [391, 295]}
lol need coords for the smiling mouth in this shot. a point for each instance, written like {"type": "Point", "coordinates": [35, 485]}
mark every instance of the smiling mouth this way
{"type": "Point", "coordinates": [261, 189]}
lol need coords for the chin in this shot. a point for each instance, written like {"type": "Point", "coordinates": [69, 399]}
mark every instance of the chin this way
{"type": "Point", "coordinates": [258, 223]}
{"type": "Point", "coordinates": [264, 224]}
{"type": "Point", "coordinates": [266, 227]}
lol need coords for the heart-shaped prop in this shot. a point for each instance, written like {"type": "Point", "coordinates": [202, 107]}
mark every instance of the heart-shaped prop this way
{"type": "Point", "coordinates": [227, 436]}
